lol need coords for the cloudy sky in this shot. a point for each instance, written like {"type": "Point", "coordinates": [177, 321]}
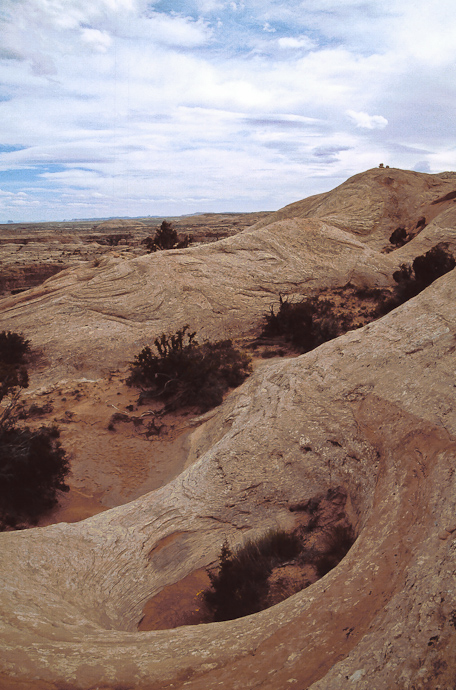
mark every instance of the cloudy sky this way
{"type": "Point", "coordinates": [166, 107]}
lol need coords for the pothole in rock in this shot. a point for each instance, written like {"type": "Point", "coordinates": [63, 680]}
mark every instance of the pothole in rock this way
{"type": "Point", "coordinates": [260, 573]}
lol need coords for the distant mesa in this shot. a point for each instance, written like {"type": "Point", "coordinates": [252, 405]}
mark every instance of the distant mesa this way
{"type": "Point", "coordinates": [118, 223]}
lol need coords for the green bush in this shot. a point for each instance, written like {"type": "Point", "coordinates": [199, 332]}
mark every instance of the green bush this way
{"type": "Point", "coordinates": [240, 585]}
{"type": "Point", "coordinates": [306, 324]}
{"type": "Point", "coordinates": [166, 237]}
{"type": "Point", "coordinates": [183, 373]}
{"type": "Point", "coordinates": [411, 280]}
{"type": "Point", "coordinates": [32, 462]}
{"type": "Point", "coordinates": [33, 466]}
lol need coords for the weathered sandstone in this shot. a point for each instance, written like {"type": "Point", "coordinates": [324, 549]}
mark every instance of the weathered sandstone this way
{"type": "Point", "coordinates": [372, 412]}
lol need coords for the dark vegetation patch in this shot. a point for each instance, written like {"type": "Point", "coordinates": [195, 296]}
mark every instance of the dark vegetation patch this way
{"type": "Point", "coordinates": [447, 197]}
{"type": "Point", "coordinates": [401, 236]}
{"type": "Point", "coordinates": [33, 465]}
{"type": "Point", "coordinates": [411, 280]}
{"type": "Point", "coordinates": [240, 584]}
{"type": "Point", "coordinates": [166, 237]}
{"type": "Point", "coordinates": [183, 373]}
{"type": "Point", "coordinates": [13, 370]}
{"type": "Point", "coordinates": [308, 323]}
{"type": "Point", "coordinates": [13, 348]}
{"type": "Point", "coordinates": [265, 571]}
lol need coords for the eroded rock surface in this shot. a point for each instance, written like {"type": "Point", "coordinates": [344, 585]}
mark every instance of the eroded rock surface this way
{"type": "Point", "coordinates": [374, 203]}
{"type": "Point", "coordinates": [96, 318]}
{"type": "Point", "coordinates": [31, 253]}
{"type": "Point", "coordinates": [372, 412]}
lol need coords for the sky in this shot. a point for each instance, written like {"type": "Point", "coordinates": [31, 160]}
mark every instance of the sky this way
{"type": "Point", "coordinates": [168, 107]}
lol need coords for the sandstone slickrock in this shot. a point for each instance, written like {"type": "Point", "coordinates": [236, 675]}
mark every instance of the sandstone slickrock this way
{"type": "Point", "coordinates": [372, 411]}
{"type": "Point", "coordinates": [96, 318]}
{"type": "Point", "coordinates": [374, 203]}
{"type": "Point", "coordinates": [32, 252]}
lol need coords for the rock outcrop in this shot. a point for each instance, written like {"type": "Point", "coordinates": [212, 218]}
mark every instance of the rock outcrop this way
{"type": "Point", "coordinates": [374, 203]}
{"type": "Point", "coordinates": [372, 412]}
{"type": "Point", "coordinates": [96, 318]}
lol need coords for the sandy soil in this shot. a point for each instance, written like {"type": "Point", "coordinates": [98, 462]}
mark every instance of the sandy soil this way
{"type": "Point", "coordinates": [118, 450]}
{"type": "Point", "coordinates": [116, 454]}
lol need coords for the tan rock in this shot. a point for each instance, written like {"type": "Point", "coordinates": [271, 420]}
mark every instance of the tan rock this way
{"type": "Point", "coordinates": [372, 411]}
{"type": "Point", "coordinates": [374, 203]}
{"type": "Point", "coordinates": [97, 317]}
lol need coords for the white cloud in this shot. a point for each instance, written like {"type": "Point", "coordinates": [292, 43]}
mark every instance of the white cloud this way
{"type": "Point", "coordinates": [119, 104]}
{"type": "Point", "coordinates": [300, 42]}
{"type": "Point", "coordinates": [425, 32]}
{"type": "Point", "coordinates": [366, 121]}
{"type": "Point", "coordinates": [98, 40]}
{"type": "Point", "coordinates": [207, 6]}
{"type": "Point", "coordinates": [178, 31]}
{"type": "Point", "coordinates": [42, 64]}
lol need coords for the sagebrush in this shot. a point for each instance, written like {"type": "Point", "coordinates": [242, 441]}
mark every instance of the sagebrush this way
{"type": "Point", "coordinates": [240, 585]}
{"type": "Point", "coordinates": [305, 324]}
{"type": "Point", "coordinates": [166, 237]}
{"type": "Point", "coordinates": [183, 373]}
{"type": "Point", "coordinates": [33, 463]}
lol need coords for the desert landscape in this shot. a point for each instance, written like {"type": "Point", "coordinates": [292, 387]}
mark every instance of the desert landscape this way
{"type": "Point", "coordinates": [357, 434]}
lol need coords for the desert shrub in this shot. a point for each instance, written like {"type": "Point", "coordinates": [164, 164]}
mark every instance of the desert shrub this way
{"type": "Point", "coordinates": [13, 371]}
{"type": "Point", "coordinates": [435, 263]}
{"type": "Point", "coordinates": [13, 348]}
{"type": "Point", "coordinates": [166, 237]}
{"type": "Point", "coordinates": [33, 466]}
{"type": "Point", "coordinates": [373, 293]}
{"type": "Point", "coordinates": [399, 237]}
{"type": "Point", "coordinates": [240, 585]}
{"type": "Point", "coordinates": [336, 544]}
{"type": "Point", "coordinates": [306, 324]}
{"type": "Point", "coordinates": [184, 373]}
{"type": "Point", "coordinates": [411, 280]}
{"type": "Point", "coordinates": [32, 462]}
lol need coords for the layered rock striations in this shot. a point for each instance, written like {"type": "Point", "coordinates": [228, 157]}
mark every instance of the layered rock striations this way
{"type": "Point", "coordinates": [374, 203]}
{"type": "Point", "coordinates": [371, 412]}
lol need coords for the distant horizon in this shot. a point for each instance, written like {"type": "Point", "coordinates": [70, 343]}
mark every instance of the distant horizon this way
{"type": "Point", "coordinates": [164, 107]}
{"type": "Point", "coordinates": [206, 212]}
{"type": "Point", "coordinates": [154, 217]}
